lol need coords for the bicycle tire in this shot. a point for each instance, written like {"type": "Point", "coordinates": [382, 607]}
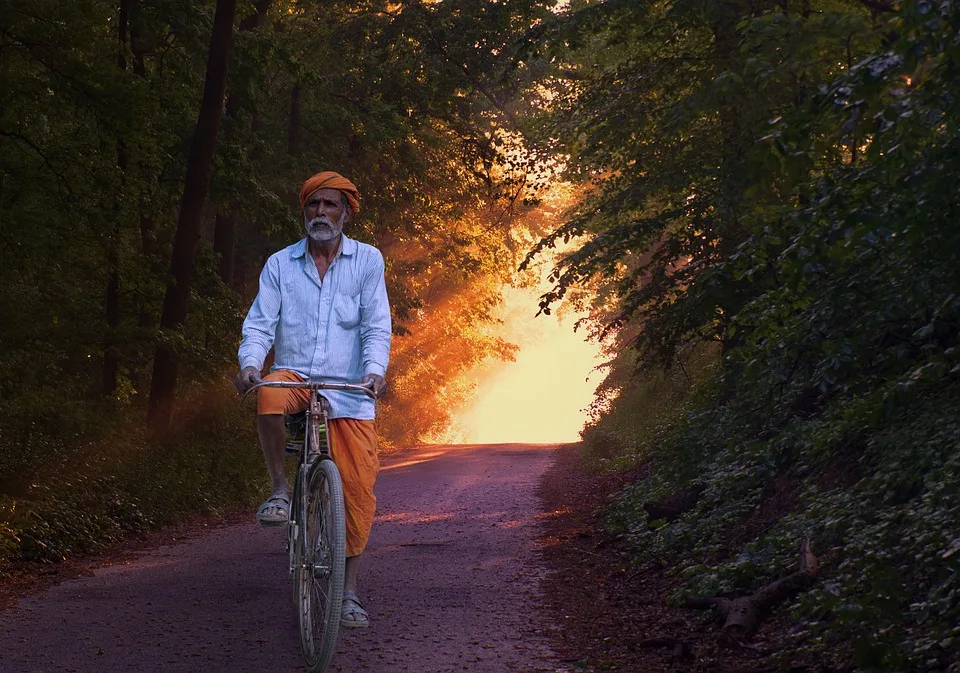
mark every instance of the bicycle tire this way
{"type": "Point", "coordinates": [319, 579]}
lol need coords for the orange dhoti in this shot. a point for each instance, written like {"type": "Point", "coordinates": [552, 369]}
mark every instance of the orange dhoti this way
{"type": "Point", "coordinates": [353, 445]}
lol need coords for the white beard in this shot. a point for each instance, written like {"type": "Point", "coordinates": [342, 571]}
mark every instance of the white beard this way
{"type": "Point", "coordinates": [321, 229]}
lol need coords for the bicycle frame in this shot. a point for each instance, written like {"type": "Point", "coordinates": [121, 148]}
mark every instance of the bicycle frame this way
{"type": "Point", "coordinates": [316, 528]}
{"type": "Point", "coordinates": [316, 446]}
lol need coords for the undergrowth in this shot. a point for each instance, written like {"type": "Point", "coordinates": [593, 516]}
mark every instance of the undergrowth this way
{"type": "Point", "coordinates": [877, 497]}
{"type": "Point", "coordinates": [643, 410]}
{"type": "Point", "coordinates": [74, 479]}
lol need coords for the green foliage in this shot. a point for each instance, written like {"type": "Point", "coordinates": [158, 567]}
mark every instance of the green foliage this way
{"type": "Point", "coordinates": [873, 491]}
{"type": "Point", "coordinates": [833, 414]}
{"type": "Point", "coordinates": [666, 102]}
{"type": "Point", "coordinates": [99, 103]}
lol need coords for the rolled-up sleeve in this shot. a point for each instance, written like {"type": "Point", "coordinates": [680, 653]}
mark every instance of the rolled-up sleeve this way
{"type": "Point", "coordinates": [375, 325]}
{"type": "Point", "coordinates": [260, 325]}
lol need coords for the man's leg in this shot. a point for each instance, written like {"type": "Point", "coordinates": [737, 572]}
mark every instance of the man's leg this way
{"type": "Point", "coordinates": [272, 405]}
{"type": "Point", "coordinates": [276, 509]}
{"type": "Point", "coordinates": [354, 613]}
{"type": "Point", "coordinates": [350, 577]}
{"type": "Point", "coordinates": [273, 439]}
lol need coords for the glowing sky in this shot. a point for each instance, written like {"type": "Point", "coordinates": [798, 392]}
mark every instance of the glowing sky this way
{"type": "Point", "coordinates": [541, 396]}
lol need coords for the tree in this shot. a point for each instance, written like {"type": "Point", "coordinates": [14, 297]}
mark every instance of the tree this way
{"type": "Point", "coordinates": [99, 130]}
{"type": "Point", "coordinates": [659, 107]}
{"type": "Point", "coordinates": [838, 380]}
{"type": "Point", "coordinates": [199, 166]}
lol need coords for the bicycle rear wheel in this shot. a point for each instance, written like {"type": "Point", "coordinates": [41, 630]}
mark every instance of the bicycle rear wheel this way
{"type": "Point", "coordinates": [319, 579]}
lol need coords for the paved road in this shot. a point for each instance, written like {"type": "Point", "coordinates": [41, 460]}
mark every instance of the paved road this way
{"type": "Point", "coordinates": [450, 579]}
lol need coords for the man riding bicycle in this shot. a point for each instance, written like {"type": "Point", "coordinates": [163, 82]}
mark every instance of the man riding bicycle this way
{"type": "Point", "coordinates": [322, 305]}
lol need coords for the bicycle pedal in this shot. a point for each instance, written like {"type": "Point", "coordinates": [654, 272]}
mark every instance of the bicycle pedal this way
{"type": "Point", "coordinates": [291, 448]}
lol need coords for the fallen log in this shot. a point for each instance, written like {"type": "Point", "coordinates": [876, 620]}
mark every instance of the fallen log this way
{"type": "Point", "coordinates": [743, 615]}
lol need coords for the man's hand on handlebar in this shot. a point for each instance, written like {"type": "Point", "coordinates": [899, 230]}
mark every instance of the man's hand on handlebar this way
{"type": "Point", "coordinates": [376, 383]}
{"type": "Point", "coordinates": [246, 379]}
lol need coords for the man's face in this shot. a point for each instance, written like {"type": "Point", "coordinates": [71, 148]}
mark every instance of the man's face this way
{"type": "Point", "coordinates": [324, 215]}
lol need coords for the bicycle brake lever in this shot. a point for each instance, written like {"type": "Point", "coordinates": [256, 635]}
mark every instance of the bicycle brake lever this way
{"type": "Point", "coordinates": [249, 390]}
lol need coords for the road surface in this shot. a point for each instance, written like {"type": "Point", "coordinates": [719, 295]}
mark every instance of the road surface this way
{"type": "Point", "coordinates": [450, 578]}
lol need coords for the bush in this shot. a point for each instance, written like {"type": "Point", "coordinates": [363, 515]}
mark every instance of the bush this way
{"type": "Point", "coordinates": [79, 482]}
{"type": "Point", "coordinates": [642, 411]}
{"type": "Point", "coordinates": [875, 480]}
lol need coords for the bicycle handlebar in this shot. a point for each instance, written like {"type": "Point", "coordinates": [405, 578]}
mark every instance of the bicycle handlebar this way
{"type": "Point", "coordinates": [313, 385]}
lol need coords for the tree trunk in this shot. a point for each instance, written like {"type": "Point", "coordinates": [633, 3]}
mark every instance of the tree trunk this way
{"type": "Point", "coordinates": [146, 320]}
{"type": "Point", "coordinates": [148, 244]}
{"type": "Point", "coordinates": [728, 231]}
{"type": "Point", "coordinates": [225, 225]}
{"type": "Point", "coordinates": [199, 165]}
{"type": "Point", "coordinates": [111, 356]}
{"type": "Point", "coordinates": [136, 38]}
{"type": "Point", "coordinates": [240, 269]}
{"type": "Point", "coordinates": [743, 615]}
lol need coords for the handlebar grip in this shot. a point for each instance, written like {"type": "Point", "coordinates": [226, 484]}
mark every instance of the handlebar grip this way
{"type": "Point", "coordinates": [319, 385]}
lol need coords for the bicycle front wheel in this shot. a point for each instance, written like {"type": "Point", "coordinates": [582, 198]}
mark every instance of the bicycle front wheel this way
{"type": "Point", "coordinates": [319, 579]}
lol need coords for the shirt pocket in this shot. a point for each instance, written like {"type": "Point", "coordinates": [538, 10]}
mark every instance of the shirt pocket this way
{"type": "Point", "coordinates": [299, 310]}
{"type": "Point", "coordinates": [288, 299]}
{"type": "Point", "coordinates": [346, 309]}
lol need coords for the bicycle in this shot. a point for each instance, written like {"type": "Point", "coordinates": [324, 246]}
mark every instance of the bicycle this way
{"type": "Point", "coordinates": [316, 530]}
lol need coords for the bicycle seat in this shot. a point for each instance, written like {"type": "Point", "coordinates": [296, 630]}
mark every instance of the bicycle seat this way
{"type": "Point", "coordinates": [297, 427]}
{"type": "Point", "coordinates": [300, 417]}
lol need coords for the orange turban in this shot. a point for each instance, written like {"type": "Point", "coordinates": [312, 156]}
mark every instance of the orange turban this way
{"type": "Point", "coordinates": [331, 180]}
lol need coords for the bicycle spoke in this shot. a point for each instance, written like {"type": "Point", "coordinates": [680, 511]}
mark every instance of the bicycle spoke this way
{"type": "Point", "coordinates": [322, 572]}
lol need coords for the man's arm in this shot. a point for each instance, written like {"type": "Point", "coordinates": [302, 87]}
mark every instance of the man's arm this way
{"type": "Point", "coordinates": [375, 325]}
{"type": "Point", "coordinates": [260, 326]}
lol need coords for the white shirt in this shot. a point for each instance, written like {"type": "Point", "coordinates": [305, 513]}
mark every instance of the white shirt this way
{"type": "Point", "coordinates": [337, 329]}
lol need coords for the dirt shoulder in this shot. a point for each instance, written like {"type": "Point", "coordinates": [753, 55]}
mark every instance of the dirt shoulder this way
{"type": "Point", "coordinates": [615, 616]}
